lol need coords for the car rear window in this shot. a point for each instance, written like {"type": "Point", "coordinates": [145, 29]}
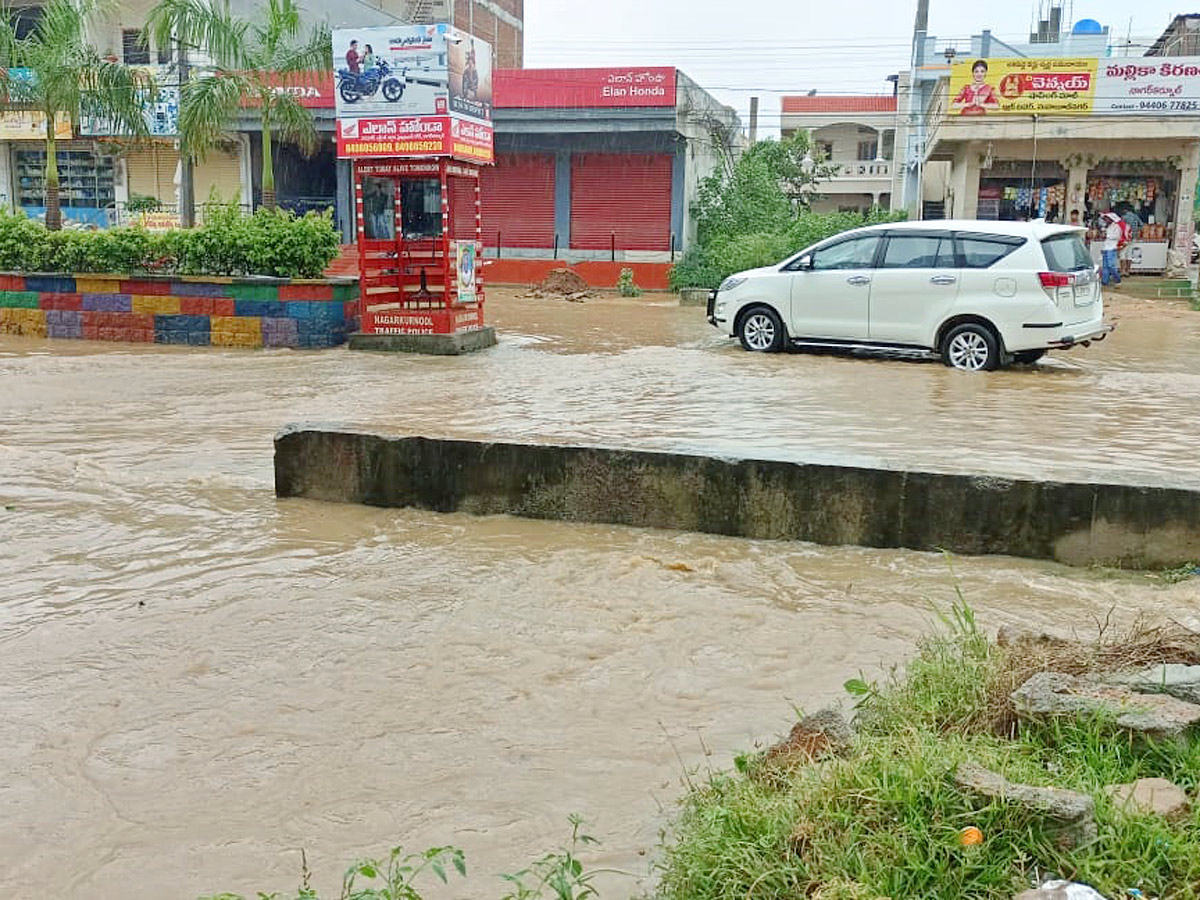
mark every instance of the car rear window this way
{"type": "Point", "coordinates": [982, 250]}
{"type": "Point", "coordinates": [1066, 253]}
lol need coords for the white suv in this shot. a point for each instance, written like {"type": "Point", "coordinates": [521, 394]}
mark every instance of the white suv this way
{"type": "Point", "coordinates": [980, 294]}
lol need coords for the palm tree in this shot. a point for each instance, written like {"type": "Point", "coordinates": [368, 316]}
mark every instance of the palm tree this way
{"type": "Point", "coordinates": [56, 72]}
{"type": "Point", "coordinates": [249, 59]}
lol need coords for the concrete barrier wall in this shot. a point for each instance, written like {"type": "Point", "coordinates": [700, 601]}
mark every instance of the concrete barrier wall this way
{"type": "Point", "coordinates": [1075, 523]}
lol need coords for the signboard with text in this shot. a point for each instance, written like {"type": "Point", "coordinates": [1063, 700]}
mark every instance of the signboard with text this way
{"type": "Point", "coordinates": [160, 110]}
{"type": "Point", "coordinates": [412, 91]}
{"type": "Point", "coordinates": [415, 136]}
{"type": "Point", "coordinates": [1075, 87]}
{"type": "Point", "coordinates": [30, 125]}
{"type": "Point", "coordinates": [601, 88]}
{"type": "Point", "coordinates": [412, 70]}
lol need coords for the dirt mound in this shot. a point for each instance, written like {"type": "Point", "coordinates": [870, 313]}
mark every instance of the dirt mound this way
{"type": "Point", "coordinates": [563, 281]}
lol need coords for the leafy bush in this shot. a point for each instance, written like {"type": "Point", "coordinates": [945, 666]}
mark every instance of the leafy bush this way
{"type": "Point", "coordinates": [626, 286]}
{"type": "Point", "coordinates": [756, 212]}
{"type": "Point", "coordinates": [708, 263]}
{"type": "Point", "coordinates": [280, 244]}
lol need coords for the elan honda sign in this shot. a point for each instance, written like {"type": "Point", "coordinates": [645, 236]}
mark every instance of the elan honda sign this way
{"type": "Point", "coordinates": [597, 88]}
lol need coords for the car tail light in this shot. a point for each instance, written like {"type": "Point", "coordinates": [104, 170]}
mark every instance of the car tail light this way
{"type": "Point", "coordinates": [1056, 279]}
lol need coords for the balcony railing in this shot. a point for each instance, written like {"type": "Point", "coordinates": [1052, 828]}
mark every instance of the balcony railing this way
{"type": "Point", "coordinates": [877, 168]}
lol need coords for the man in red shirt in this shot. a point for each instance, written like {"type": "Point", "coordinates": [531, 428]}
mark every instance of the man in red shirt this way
{"type": "Point", "coordinates": [352, 58]}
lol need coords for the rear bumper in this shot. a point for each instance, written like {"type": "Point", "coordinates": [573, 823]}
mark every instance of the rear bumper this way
{"type": "Point", "coordinates": [1083, 337]}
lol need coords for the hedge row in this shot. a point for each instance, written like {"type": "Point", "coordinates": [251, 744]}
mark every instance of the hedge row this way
{"type": "Point", "coordinates": [276, 243]}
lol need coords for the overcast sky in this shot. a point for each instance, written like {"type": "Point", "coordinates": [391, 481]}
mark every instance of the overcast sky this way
{"type": "Point", "coordinates": [775, 47]}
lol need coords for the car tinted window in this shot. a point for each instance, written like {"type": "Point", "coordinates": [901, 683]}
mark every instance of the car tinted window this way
{"type": "Point", "coordinates": [1066, 253]}
{"type": "Point", "coordinates": [979, 251]}
{"type": "Point", "coordinates": [919, 251]}
{"type": "Point", "coordinates": [852, 253]}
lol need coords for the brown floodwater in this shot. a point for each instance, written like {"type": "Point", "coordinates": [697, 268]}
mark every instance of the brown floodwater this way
{"type": "Point", "coordinates": [198, 679]}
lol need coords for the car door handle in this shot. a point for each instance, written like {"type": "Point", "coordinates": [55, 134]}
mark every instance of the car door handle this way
{"type": "Point", "coordinates": [858, 279]}
{"type": "Point", "coordinates": [943, 279]}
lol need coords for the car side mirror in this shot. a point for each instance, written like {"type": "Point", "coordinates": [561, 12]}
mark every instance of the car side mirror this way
{"type": "Point", "coordinates": [803, 264]}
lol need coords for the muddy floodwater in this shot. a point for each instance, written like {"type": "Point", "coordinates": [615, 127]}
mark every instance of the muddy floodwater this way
{"type": "Point", "coordinates": [197, 680]}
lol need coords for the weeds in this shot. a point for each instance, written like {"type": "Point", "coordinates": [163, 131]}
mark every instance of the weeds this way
{"type": "Point", "coordinates": [885, 820]}
{"type": "Point", "coordinates": [626, 286]}
{"type": "Point", "coordinates": [561, 873]}
{"type": "Point", "coordinates": [556, 876]}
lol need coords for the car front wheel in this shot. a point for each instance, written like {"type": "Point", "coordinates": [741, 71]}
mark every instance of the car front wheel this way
{"type": "Point", "coordinates": [971, 347]}
{"type": "Point", "coordinates": [761, 330]}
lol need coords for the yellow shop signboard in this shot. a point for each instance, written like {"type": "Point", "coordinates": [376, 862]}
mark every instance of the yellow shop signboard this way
{"type": "Point", "coordinates": [996, 87]}
{"type": "Point", "coordinates": [30, 125]}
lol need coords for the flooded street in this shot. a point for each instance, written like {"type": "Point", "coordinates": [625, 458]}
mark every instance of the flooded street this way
{"type": "Point", "coordinates": [199, 680]}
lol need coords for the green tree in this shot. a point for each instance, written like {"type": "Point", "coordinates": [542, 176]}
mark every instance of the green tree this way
{"type": "Point", "coordinates": [55, 71]}
{"type": "Point", "coordinates": [249, 58]}
{"type": "Point", "coordinates": [757, 210]}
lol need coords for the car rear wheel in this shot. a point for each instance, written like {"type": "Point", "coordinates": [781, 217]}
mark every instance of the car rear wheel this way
{"type": "Point", "coordinates": [1028, 356]}
{"type": "Point", "coordinates": [761, 330]}
{"type": "Point", "coordinates": [971, 347]}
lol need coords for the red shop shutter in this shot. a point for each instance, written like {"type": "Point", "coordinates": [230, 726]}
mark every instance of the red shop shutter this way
{"type": "Point", "coordinates": [626, 193]}
{"type": "Point", "coordinates": [518, 201]}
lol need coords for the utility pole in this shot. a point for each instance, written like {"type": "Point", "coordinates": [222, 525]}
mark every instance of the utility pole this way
{"type": "Point", "coordinates": [916, 111]}
{"type": "Point", "coordinates": [187, 188]}
{"type": "Point", "coordinates": [753, 120]}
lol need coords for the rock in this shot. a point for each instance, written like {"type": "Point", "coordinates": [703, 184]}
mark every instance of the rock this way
{"type": "Point", "coordinates": [693, 297]}
{"type": "Point", "coordinates": [1061, 890]}
{"type": "Point", "coordinates": [1072, 816]}
{"type": "Point", "coordinates": [1155, 796]}
{"type": "Point", "coordinates": [824, 733]}
{"type": "Point", "coordinates": [1175, 679]}
{"type": "Point", "coordinates": [1157, 716]}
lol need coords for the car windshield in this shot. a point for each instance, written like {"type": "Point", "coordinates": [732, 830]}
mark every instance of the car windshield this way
{"type": "Point", "coordinates": [1066, 253]}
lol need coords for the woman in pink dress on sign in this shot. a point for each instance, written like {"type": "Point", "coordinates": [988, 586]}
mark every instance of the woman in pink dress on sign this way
{"type": "Point", "coordinates": [978, 97]}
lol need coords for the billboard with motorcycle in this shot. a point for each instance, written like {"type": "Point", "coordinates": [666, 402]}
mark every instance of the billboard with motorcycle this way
{"type": "Point", "coordinates": [412, 70]}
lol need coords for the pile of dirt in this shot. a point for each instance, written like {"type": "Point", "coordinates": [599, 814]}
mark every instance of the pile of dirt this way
{"type": "Point", "coordinates": [561, 283]}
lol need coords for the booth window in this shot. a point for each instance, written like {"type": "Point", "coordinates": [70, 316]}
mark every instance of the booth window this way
{"type": "Point", "coordinates": [421, 207]}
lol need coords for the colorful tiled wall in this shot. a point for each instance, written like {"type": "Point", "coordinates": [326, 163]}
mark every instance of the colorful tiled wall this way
{"type": "Point", "coordinates": [198, 311]}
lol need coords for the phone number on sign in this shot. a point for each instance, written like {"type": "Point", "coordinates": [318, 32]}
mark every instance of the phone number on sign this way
{"type": "Point", "coordinates": [1191, 105]}
{"type": "Point", "coordinates": [393, 147]}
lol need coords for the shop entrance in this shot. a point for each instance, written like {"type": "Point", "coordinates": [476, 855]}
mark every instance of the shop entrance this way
{"type": "Point", "coordinates": [1146, 201]}
{"type": "Point", "coordinates": [420, 233]}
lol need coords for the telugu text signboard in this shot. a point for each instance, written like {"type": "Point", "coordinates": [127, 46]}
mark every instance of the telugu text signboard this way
{"type": "Point", "coordinates": [1022, 87]}
{"type": "Point", "coordinates": [1075, 87]}
{"type": "Point", "coordinates": [30, 125]}
{"type": "Point", "coordinates": [596, 88]}
{"type": "Point", "coordinates": [415, 136]}
{"type": "Point", "coordinates": [1169, 86]}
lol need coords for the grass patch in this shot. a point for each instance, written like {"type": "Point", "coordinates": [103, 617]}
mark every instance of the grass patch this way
{"type": "Point", "coordinates": [885, 819]}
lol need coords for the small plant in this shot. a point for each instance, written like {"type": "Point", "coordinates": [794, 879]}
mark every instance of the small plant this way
{"type": "Point", "coordinates": [625, 285]}
{"type": "Point", "coordinates": [390, 879]}
{"type": "Point", "coordinates": [562, 872]}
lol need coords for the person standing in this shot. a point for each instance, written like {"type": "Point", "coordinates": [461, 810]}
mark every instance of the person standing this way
{"type": "Point", "coordinates": [1110, 273]}
{"type": "Point", "coordinates": [352, 59]}
{"type": "Point", "coordinates": [368, 59]}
